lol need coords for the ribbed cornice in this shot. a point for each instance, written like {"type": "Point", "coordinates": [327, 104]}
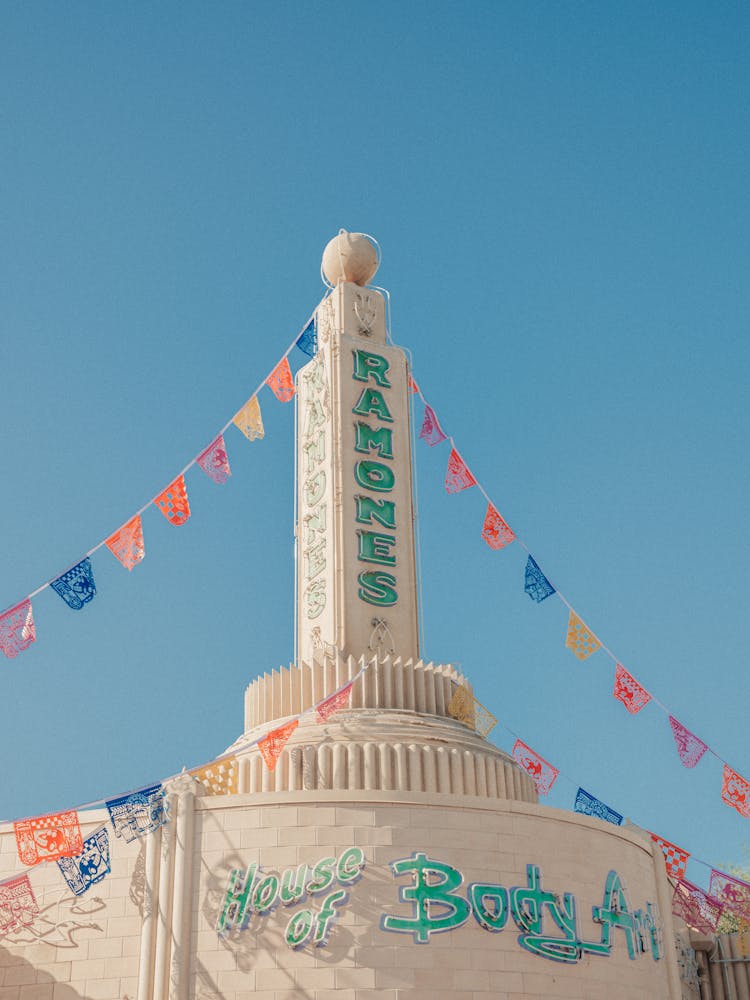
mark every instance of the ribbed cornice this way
{"type": "Point", "coordinates": [397, 734]}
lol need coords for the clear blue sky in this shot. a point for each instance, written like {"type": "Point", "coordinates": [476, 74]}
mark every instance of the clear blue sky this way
{"type": "Point", "coordinates": [561, 195]}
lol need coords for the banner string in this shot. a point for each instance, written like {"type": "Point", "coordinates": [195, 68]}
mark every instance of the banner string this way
{"type": "Point", "coordinates": [182, 471]}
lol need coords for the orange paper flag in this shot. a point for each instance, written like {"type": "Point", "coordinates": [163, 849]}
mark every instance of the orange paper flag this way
{"type": "Point", "coordinates": [281, 382]}
{"type": "Point", "coordinates": [127, 544]}
{"type": "Point", "coordinates": [272, 745]}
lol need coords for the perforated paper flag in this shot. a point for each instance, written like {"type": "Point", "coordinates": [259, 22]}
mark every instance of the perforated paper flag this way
{"type": "Point", "coordinates": [280, 381]}
{"type": "Point", "coordinates": [219, 777]}
{"type": "Point", "coordinates": [340, 699]}
{"type": "Point", "coordinates": [689, 747]}
{"type": "Point", "coordinates": [127, 544]}
{"type": "Point", "coordinates": [173, 502]}
{"type": "Point", "coordinates": [675, 859]}
{"type": "Point", "coordinates": [90, 866]}
{"type": "Point", "coordinates": [308, 340]}
{"type": "Point", "coordinates": [249, 420]}
{"type": "Point", "coordinates": [76, 586]}
{"type": "Point", "coordinates": [696, 907]}
{"type": "Point", "coordinates": [138, 813]}
{"type": "Point", "coordinates": [46, 838]}
{"type": "Point", "coordinates": [214, 461]}
{"type": "Point", "coordinates": [465, 708]}
{"type": "Point", "coordinates": [536, 584]}
{"type": "Point", "coordinates": [18, 905]}
{"type": "Point", "coordinates": [732, 893]}
{"type": "Point", "coordinates": [735, 791]}
{"type": "Point", "coordinates": [431, 431]}
{"type": "Point", "coordinates": [271, 746]}
{"type": "Point", "coordinates": [17, 629]}
{"type": "Point", "coordinates": [629, 691]}
{"type": "Point", "coordinates": [457, 476]}
{"type": "Point", "coordinates": [413, 387]}
{"type": "Point", "coordinates": [495, 531]}
{"type": "Point", "coordinates": [542, 773]}
{"type": "Point", "coordinates": [591, 806]}
{"type": "Point", "coordinates": [580, 639]}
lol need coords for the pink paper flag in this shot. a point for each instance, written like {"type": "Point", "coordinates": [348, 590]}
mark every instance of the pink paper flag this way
{"type": "Point", "coordinates": [542, 773]}
{"type": "Point", "coordinates": [457, 475]}
{"type": "Point", "coordinates": [735, 791]}
{"type": "Point", "coordinates": [333, 703]}
{"type": "Point", "coordinates": [629, 691]}
{"type": "Point", "coordinates": [675, 859]}
{"type": "Point", "coordinates": [689, 747]}
{"type": "Point", "coordinates": [280, 381]}
{"type": "Point", "coordinates": [127, 544]}
{"type": "Point", "coordinates": [18, 905]}
{"type": "Point", "coordinates": [17, 630]}
{"type": "Point", "coordinates": [214, 461]}
{"type": "Point", "coordinates": [431, 431]}
{"type": "Point", "coordinates": [732, 893]}
{"type": "Point", "coordinates": [495, 531]}
{"type": "Point", "coordinates": [696, 907]}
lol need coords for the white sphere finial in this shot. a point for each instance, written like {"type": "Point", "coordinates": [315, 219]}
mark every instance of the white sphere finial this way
{"type": "Point", "coordinates": [350, 257]}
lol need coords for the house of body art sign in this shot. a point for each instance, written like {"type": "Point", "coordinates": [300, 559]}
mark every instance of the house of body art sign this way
{"type": "Point", "coordinates": [431, 896]}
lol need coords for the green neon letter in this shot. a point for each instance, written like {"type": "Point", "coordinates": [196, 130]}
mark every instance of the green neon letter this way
{"type": "Point", "coordinates": [379, 440]}
{"type": "Point", "coordinates": [374, 547]}
{"type": "Point", "coordinates": [368, 365]}
{"type": "Point", "coordinates": [373, 476]}
{"type": "Point", "coordinates": [350, 865]}
{"type": "Point", "coordinates": [298, 929]}
{"type": "Point", "coordinates": [377, 588]}
{"type": "Point", "coordinates": [371, 401]}
{"type": "Point", "coordinates": [382, 511]}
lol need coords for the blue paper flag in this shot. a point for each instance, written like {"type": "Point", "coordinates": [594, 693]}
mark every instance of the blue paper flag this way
{"type": "Point", "coordinates": [592, 806]}
{"type": "Point", "coordinates": [76, 587]}
{"type": "Point", "coordinates": [308, 340]}
{"type": "Point", "coordinates": [537, 585]}
{"type": "Point", "coordinates": [90, 866]}
{"type": "Point", "coordinates": [138, 813]}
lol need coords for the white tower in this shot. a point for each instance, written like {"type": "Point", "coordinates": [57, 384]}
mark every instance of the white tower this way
{"type": "Point", "coordinates": [356, 572]}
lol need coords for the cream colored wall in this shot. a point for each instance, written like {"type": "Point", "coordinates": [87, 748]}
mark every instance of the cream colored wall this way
{"type": "Point", "coordinates": [164, 897]}
{"type": "Point", "coordinates": [77, 947]}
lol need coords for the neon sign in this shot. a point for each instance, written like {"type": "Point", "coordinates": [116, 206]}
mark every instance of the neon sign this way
{"type": "Point", "coordinates": [438, 905]}
{"type": "Point", "coordinates": [374, 475]}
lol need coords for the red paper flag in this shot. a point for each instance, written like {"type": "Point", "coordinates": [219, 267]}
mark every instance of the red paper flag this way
{"type": "Point", "coordinates": [675, 859]}
{"type": "Point", "coordinates": [457, 476]}
{"type": "Point", "coordinates": [333, 703]}
{"type": "Point", "coordinates": [431, 431]}
{"type": "Point", "coordinates": [17, 629]}
{"type": "Point", "coordinates": [696, 907]}
{"type": "Point", "coordinates": [412, 385]}
{"type": "Point", "coordinates": [173, 502]}
{"type": "Point", "coordinates": [272, 745]}
{"type": "Point", "coordinates": [18, 905]}
{"type": "Point", "coordinates": [495, 531]}
{"type": "Point", "coordinates": [127, 544]}
{"type": "Point", "coordinates": [214, 461]}
{"type": "Point", "coordinates": [735, 791]}
{"type": "Point", "coordinates": [46, 838]}
{"type": "Point", "coordinates": [629, 691]}
{"type": "Point", "coordinates": [689, 747]}
{"type": "Point", "coordinates": [542, 773]}
{"type": "Point", "coordinates": [280, 381]}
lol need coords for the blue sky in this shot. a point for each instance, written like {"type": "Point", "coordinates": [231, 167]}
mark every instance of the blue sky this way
{"type": "Point", "coordinates": [560, 192]}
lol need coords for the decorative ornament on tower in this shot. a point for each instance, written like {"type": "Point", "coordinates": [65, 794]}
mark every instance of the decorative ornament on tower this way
{"type": "Point", "coordinates": [355, 511]}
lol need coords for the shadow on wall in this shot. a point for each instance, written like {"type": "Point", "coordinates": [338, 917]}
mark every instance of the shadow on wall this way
{"type": "Point", "coordinates": [17, 972]}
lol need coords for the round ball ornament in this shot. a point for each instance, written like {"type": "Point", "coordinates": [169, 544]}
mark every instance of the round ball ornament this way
{"type": "Point", "coordinates": [350, 257]}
